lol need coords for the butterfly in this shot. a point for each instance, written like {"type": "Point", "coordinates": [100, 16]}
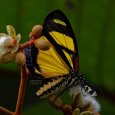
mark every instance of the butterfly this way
{"type": "Point", "coordinates": [57, 67]}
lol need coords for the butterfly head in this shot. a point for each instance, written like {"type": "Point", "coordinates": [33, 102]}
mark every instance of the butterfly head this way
{"type": "Point", "coordinates": [87, 86]}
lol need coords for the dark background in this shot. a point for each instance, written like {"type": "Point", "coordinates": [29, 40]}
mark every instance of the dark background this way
{"type": "Point", "coordinates": [93, 22]}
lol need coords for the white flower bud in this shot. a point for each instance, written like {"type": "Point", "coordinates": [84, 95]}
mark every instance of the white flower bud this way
{"type": "Point", "coordinates": [42, 44]}
{"type": "Point", "coordinates": [36, 31]}
{"type": "Point", "coordinates": [5, 42]}
{"type": "Point", "coordinates": [20, 58]}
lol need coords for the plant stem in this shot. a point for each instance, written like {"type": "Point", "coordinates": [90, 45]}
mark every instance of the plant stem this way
{"type": "Point", "coordinates": [5, 111]}
{"type": "Point", "coordinates": [24, 77]}
{"type": "Point", "coordinates": [26, 44]}
{"type": "Point", "coordinates": [21, 93]}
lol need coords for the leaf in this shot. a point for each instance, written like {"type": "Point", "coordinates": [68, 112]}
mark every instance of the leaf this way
{"type": "Point", "coordinates": [18, 38]}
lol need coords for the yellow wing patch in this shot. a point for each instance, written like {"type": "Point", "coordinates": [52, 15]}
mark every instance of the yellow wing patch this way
{"type": "Point", "coordinates": [59, 22]}
{"type": "Point", "coordinates": [50, 63]}
{"type": "Point", "coordinates": [65, 41]}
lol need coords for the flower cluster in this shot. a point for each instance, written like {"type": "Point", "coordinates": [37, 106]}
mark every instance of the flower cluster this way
{"type": "Point", "coordinates": [81, 104]}
{"type": "Point", "coordinates": [9, 44]}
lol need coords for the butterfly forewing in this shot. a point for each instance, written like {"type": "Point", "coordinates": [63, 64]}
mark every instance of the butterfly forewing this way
{"type": "Point", "coordinates": [62, 57]}
{"type": "Point", "coordinates": [59, 32]}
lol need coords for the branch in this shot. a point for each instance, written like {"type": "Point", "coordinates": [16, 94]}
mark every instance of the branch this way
{"type": "Point", "coordinates": [5, 111]}
{"type": "Point", "coordinates": [23, 82]}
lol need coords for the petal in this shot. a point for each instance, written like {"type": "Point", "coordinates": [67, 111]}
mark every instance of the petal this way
{"type": "Point", "coordinates": [78, 101]}
{"type": "Point", "coordinates": [7, 57]}
{"type": "Point", "coordinates": [4, 50]}
{"type": "Point", "coordinates": [56, 102]}
{"type": "Point", "coordinates": [18, 38]}
{"type": "Point", "coordinates": [11, 31]}
{"type": "Point", "coordinates": [86, 113]}
{"type": "Point", "coordinates": [5, 41]}
{"type": "Point", "coordinates": [15, 48]}
{"type": "Point", "coordinates": [2, 34]}
{"type": "Point", "coordinates": [76, 111]}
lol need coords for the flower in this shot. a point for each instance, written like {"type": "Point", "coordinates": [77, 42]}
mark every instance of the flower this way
{"type": "Point", "coordinates": [81, 104]}
{"type": "Point", "coordinates": [85, 103]}
{"type": "Point", "coordinates": [9, 44]}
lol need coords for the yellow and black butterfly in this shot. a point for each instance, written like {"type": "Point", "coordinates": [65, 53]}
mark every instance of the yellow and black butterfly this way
{"type": "Point", "coordinates": [57, 67]}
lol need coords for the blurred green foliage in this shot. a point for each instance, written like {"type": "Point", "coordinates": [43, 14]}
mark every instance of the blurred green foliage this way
{"type": "Point", "coordinates": [94, 25]}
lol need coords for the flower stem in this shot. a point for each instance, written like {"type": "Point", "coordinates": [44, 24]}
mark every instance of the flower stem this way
{"type": "Point", "coordinates": [21, 93]}
{"type": "Point", "coordinates": [26, 44]}
{"type": "Point", "coordinates": [5, 111]}
{"type": "Point", "coordinates": [24, 77]}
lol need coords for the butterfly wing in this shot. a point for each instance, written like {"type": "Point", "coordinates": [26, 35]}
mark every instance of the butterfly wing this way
{"type": "Point", "coordinates": [59, 32]}
{"type": "Point", "coordinates": [62, 57]}
{"type": "Point", "coordinates": [56, 63]}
